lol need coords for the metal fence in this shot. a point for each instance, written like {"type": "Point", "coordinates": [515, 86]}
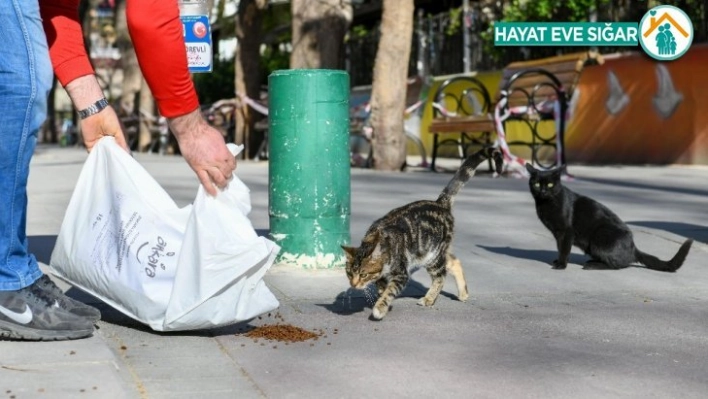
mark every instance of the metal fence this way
{"type": "Point", "coordinates": [437, 48]}
{"type": "Point", "coordinates": [433, 50]}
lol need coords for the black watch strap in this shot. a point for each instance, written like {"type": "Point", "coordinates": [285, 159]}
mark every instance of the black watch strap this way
{"type": "Point", "coordinates": [94, 108]}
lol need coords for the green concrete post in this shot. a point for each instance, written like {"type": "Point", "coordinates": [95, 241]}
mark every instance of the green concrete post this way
{"type": "Point", "coordinates": [309, 175]}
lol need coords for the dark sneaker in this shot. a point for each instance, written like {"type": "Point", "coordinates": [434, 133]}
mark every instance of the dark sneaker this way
{"type": "Point", "coordinates": [30, 314]}
{"type": "Point", "coordinates": [71, 305]}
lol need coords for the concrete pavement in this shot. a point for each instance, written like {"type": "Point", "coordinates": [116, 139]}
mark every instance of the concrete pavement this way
{"type": "Point", "coordinates": [528, 331]}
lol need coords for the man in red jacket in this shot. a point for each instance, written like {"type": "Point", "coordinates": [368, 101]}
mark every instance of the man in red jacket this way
{"type": "Point", "coordinates": [41, 35]}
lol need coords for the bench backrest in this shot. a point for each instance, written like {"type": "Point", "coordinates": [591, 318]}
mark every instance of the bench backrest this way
{"type": "Point", "coordinates": [471, 98]}
{"type": "Point", "coordinates": [525, 83]}
{"type": "Point", "coordinates": [545, 78]}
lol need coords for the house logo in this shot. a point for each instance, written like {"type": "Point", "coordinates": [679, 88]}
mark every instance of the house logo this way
{"type": "Point", "coordinates": [666, 33]}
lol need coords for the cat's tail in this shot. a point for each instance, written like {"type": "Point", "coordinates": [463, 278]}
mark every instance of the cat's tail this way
{"type": "Point", "coordinates": [466, 171]}
{"type": "Point", "coordinates": [654, 263]}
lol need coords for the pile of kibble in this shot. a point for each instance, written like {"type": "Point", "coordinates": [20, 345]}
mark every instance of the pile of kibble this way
{"type": "Point", "coordinates": [283, 332]}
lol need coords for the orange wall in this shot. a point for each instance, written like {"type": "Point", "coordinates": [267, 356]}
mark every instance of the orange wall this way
{"type": "Point", "coordinates": [637, 133]}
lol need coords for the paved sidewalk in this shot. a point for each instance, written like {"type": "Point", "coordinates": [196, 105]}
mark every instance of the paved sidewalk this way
{"type": "Point", "coordinates": [528, 331]}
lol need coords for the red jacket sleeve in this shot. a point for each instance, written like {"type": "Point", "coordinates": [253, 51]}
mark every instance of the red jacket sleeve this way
{"type": "Point", "coordinates": [156, 31]}
{"type": "Point", "coordinates": [65, 38]}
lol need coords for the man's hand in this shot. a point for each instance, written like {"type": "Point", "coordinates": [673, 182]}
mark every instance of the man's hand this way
{"type": "Point", "coordinates": [104, 123]}
{"type": "Point", "coordinates": [204, 149]}
{"type": "Point", "coordinates": [85, 91]}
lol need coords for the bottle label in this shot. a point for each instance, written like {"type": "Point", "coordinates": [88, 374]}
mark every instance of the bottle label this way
{"type": "Point", "coordinates": [197, 39]}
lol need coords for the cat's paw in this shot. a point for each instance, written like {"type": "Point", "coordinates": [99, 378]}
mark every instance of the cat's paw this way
{"type": "Point", "coordinates": [557, 265]}
{"type": "Point", "coordinates": [381, 287]}
{"type": "Point", "coordinates": [379, 312]}
{"type": "Point", "coordinates": [463, 296]}
{"type": "Point", "coordinates": [427, 302]}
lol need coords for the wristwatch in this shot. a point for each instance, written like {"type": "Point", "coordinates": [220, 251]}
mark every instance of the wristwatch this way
{"type": "Point", "coordinates": [94, 108]}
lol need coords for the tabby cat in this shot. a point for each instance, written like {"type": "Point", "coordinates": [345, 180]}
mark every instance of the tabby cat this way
{"type": "Point", "coordinates": [414, 235]}
{"type": "Point", "coordinates": [575, 219]}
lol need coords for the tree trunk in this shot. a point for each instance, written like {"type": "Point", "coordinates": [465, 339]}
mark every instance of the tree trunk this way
{"type": "Point", "coordinates": [249, 20]}
{"type": "Point", "coordinates": [318, 30]}
{"type": "Point", "coordinates": [388, 94]}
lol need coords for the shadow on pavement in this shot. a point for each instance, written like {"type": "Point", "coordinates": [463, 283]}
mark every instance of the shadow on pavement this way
{"type": "Point", "coordinates": [539, 255]}
{"type": "Point", "coordinates": [349, 302]}
{"type": "Point", "coordinates": [688, 230]}
{"type": "Point", "coordinates": [112, 316]}
{"type": "Point", "coordinates": [352, 301]}
{"type": "Point", "coordinates": [42, 247]}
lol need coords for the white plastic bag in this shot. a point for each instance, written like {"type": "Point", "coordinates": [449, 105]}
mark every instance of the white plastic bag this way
{"type": "Point", "coordinates": [125, 241]}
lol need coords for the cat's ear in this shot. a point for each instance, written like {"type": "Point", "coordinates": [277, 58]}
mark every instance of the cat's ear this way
{"type": "Point", "coordinates": [350, 252]}
{"type": "Point", "coordinates": [531, 169]}
{"type": "Point", "coordinates": [558, 172]}
{"type": "Point", "coordinates": [371, 247]}
{"type": "Point", "coordinates": [377, 250]}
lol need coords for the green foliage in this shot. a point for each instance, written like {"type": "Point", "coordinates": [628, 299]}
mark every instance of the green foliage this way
{"type": "Point", "coordinates": [551, 10]}
{"type": "Point", "coordinates": [276, 16]}
{"type": "Point", "coordinates": [272, 59]}
{"type": "Point", "coordinates": [455, 21]}
{"type": "Point", "coordinates": [216, 85]}
{"type": "Point", "coordinates": [358, 31]}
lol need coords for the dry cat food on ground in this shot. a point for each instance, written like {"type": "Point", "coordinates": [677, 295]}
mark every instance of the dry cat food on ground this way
{"type": "Point", "coordinates": [282, 332]}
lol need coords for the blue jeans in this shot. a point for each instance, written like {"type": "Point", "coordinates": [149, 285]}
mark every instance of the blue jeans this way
{"type": "Point", "coordinates": [25, 81]}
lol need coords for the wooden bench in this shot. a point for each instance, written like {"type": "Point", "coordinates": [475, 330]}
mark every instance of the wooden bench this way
{"type": "Point", "coordinates": [463, 112]}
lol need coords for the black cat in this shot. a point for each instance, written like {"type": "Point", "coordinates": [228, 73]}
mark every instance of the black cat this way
{"type": "Point", "coordinates": [575, 219]}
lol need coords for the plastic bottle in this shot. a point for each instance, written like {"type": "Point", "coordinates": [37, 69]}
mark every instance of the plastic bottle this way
{"type": "Point", "coordinates": [197, 34]}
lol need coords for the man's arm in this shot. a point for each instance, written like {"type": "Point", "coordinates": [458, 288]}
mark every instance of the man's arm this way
{"type": "Point", "coordinates": [156, 31]}
{"type": "Point", "coordinates": [66, 40]}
